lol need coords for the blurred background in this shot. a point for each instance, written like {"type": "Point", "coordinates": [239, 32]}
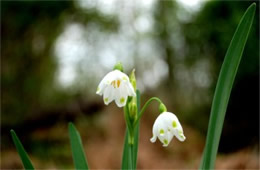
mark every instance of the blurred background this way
{"type": "Point", "coordinates": [54, 53]}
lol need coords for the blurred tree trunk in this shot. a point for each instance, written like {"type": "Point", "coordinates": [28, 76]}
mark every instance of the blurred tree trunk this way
{"type": "Point", "coordinates": [165, 19]}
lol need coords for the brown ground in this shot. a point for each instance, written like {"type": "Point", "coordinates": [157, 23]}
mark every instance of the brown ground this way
{"type": "Point", "coordinates": [103, 141]}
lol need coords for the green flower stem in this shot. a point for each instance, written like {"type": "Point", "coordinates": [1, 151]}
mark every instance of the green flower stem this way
{"type": "Point", "coordinates": [130, 128]}
{"type": "Point", "coordinates": [145, 106]}
{"type": "Point", "coordinates": [132, 156]}
{"type": "Point", "coordinates": [129, 125]}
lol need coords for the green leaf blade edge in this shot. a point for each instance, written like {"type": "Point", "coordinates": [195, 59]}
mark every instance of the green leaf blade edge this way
{"type": "Point", "coordinates": [224, 86]}
{"type": "Point", "coordinates": [125, 156]}
{"type": "Point", "coordinates": [78, 154]}
{"type": "Point", "coordinates": [21, 151]}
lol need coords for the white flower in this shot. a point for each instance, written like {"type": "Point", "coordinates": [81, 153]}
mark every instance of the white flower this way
{"type": "Point", "coordinates": [115, 86]}
{"type": "Point", "coordinates": [165, 127]}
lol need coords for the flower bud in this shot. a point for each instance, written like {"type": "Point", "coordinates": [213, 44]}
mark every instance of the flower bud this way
{"type": "Point", "coordinates": [132, 110]}
{"type": "Point", "coordinates": [132, 79]}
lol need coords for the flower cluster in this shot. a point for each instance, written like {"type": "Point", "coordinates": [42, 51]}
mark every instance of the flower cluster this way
{"type": "Point", "coordinates": [117, 86]}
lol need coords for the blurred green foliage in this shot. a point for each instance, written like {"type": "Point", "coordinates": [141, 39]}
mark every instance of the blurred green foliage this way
{"type": "Point", "coordinates": [28, 68]}
{"type": "Point", "coordinates": [190, 45]}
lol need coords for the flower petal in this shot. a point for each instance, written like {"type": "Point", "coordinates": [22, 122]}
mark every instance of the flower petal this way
{"type": "Point", "coordinates": [108, 94]}
{"type": "Point", "coordinates": [105, 82]}
{"type": "Point", "coordinates": [162, 132]}
{"type": "Point", "coordinates": [130, 89]}
{"type": "Point", "coordinates": [179, 135]}
{"type": "Point", "coordinates": [120, 75]}
{"type": "Point", "coordinates": [121, 96]}
{"type": "Point", "coordinates": [153, 139]}
{"type": "Point", "coordinates": [155, 134]}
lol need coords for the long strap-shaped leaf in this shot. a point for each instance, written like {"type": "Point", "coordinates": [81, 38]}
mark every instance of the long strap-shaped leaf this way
{"type": "Point", "coordinates": [22, 153]}
{"type": "Point", "coordinates": [129, 160]}
{"type": "Point", "coordinates": [224, 86]}
{"type": "Point", "coordinates": [77, 148]}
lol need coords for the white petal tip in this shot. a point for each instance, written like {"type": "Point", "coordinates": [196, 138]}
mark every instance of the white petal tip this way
{"type": "Point", "coordinates": [121, 102]}
{"type": "Point", "coordinates": [182, 138]}
{"type": "Point", "coordinates": [120, 105]}
{"type": "Point", "coordinates": [153, 139]}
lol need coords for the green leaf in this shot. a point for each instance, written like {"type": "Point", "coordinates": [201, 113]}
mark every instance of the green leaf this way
{"type": "Point", "coordinates": [77, 148]}
{"type": "Point", "coordinates": [224, 86]}
{"type": "Point", "coordinates": [22, 153]}
{"type": "Point", "coordinates": [129, 158]}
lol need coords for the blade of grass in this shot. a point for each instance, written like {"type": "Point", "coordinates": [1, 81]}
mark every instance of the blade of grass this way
{"type": "Point", "coordinates": [21, 151]}
{"type": "Point", "coordinates": [224, 86]}
{"type": "Point", "coordinates": [77, 148]}
{"type": "Point", "coordinates": [129, 158]}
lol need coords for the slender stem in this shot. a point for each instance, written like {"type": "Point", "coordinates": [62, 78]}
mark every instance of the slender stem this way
{"type": "Point", "coordinates": [126, 114]}
{"type": "Point", "coordinates": [132, 155]}
{"type": "Point", "coordinates": [129, 125]}
{"type": "Point", "coordinates": [145, 106]}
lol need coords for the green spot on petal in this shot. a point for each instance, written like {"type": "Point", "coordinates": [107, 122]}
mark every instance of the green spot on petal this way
{"type": "Point", "coordinates": [180, 133]}
{"type": "Point", "coordinates": [174, 124]}
{"type": "Point", "coordinates": [161, 131]}
{"type": "Point", "coordinates": [165, 141]}
{"type": "Point", "coordinates": [106, 100]}
{"type": "Point", "coordinates": [98, 89]}
{"type": "Point", "coordinates": [124, 78]}
{"type": "Point", "coordinates": [122, 100]}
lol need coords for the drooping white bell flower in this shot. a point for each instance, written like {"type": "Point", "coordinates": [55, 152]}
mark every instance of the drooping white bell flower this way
{"type": "Point", "coordinates": [115, 86]}
{"type": "Point", "coordinates": [165, 127]}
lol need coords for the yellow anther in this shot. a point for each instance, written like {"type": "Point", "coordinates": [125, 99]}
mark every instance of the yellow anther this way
{"type": "Point", "coordinates": [118, 83]}
{"type": "Point", "coordinates": [113, 83]}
